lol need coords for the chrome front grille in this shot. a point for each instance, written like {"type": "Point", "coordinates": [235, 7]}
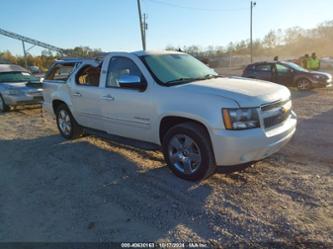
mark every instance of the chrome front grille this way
{"type": "Point", "coordinates": [277, 119]}
{"type": "Point", "coordinates": [275, 113]}
{"type": "Point", "coordinates": [274, 105]}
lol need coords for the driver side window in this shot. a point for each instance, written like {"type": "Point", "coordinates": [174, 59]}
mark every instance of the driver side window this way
{"type": "Point", "coordinates": [120, 66]}
{"type": "Point", "coordinates": [282, 69]}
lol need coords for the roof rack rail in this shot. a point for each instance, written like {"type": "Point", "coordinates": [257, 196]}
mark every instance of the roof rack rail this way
{"type": "Point", "coordinates": [98, 57]}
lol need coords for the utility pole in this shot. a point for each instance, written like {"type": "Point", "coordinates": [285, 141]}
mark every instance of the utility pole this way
{"type": "Point", "coordinates": [141, 26]}
{"type": "Point", "coordinates": [145, 28]}
{"type": "Point", "coordinates": [25, 55]}
{"type": "Point", "coordinates": [251, 22]}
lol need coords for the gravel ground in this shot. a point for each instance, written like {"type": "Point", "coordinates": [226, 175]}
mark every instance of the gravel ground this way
{"type": "Point", "coordinates": [93, 189]}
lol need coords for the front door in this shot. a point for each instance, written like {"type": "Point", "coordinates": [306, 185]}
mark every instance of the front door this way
{"type": "Point", "coordinates": [283, 74]}
{"type": "Point", "coordinates": [126, 112]}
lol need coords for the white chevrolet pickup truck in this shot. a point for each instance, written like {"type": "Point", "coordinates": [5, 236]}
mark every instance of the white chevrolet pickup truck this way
{"type": "Point", "coordinates": [199, 118]}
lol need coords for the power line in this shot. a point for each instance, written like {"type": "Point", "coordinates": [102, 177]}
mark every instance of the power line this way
{"type": "Point", "coordinates": [194, 8]}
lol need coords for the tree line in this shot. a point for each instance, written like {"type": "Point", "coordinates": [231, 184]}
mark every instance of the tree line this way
{"type": "Point", "coordinates": [292, 42]}
{"type": "Point", "coordinates": [46, 58]}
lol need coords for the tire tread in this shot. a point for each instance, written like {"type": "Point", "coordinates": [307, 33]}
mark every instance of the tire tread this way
{"type": "Point", "coordinates": [77, 130]}
{"type": "Point", "coordinates": [202, 134]}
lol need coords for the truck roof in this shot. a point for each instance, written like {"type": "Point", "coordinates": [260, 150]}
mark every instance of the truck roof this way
{"type": "Point", "coordinates": [102, 55]}
{"type": "Point", "coordinates": [155, 52]}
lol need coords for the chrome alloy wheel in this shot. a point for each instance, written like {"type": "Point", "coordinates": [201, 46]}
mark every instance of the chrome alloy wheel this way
{"type": "Point", "coordinates": [303, 84]}
{"type": "Point", "coordinates": [184, 154]}
{"type": "Point", "coordinates": [64, 121]}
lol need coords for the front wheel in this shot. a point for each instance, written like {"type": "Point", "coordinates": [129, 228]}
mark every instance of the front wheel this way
{"type": "Point", "coordinates": [3, 106]}
{"type": "Point", "coordinates": [187, 150]}
{"type": "Point", "coordinates": [303, 84]}
{"type": "Point", "coordinates": [66, 123]}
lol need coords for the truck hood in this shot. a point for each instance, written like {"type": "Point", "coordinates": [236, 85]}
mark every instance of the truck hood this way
{"type": "Point", "coordinates": [246, 92]}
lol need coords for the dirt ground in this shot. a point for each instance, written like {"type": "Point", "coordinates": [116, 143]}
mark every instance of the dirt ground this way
{"type": "Point", "coordinates": [93, 189]}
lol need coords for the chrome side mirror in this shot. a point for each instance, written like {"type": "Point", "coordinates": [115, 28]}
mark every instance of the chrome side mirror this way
{"type": "Point", "coordinates": [131, 82]}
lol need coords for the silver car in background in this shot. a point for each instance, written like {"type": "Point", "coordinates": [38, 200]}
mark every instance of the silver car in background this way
{"type": "Point", "coordinates": [18, 87]}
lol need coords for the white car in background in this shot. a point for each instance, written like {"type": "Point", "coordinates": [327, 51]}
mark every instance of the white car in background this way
{"type": "Point", "coordinates": [18, 87]}
{"type": "Point", "coordinates": [170, 99]}
{"type": "Point", "coordinates": [326, 63]}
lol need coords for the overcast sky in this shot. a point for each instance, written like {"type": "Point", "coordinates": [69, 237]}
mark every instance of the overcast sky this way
{"type": "Point", "coordinates": [113, 24]}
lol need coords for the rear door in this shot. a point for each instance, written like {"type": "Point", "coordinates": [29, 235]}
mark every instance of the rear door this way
{"type": "Point", "coordinates": [86, 96]}
{"type": "Point", "coordinates": [263, 71]}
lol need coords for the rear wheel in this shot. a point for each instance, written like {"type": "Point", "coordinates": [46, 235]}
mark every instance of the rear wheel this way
{"type": "Point", "coordinates": [66, 123]}
{"type": "Point", "coordinates": [3, 106]}
{"type": "Point", "coordinates": [303, 84]}
{"type": "Point", "coordinates": [187, 150]}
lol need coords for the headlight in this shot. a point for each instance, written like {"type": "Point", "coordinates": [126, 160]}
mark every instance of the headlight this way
{"type": "Point", "coordinates": [242, 118]}
{"type": "Point", "coordinates": [318, 77]}
{"type": "Point", "coordinates": [13, 92]}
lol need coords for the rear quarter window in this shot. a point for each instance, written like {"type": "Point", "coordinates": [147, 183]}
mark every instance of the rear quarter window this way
{"type": "Point", "coordinates": [60, 72]}
{"type": "Point", "coordinates": [263, 68]}
{"type": "Point", "coordinates": [249, 68]}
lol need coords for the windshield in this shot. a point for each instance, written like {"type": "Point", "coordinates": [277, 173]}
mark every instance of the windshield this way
{"type": "Point", "coordinates": [16, 77]}
{"type": "Point", "coordinates": [296, 67]}
{"type": "Point", "coordinates": [172, 69]}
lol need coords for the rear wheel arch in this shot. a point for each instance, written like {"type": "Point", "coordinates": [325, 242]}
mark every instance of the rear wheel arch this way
{"type": "Point", "coordinates": [56, 103]}
{"type": "Point", "coordinates": [64, 116]}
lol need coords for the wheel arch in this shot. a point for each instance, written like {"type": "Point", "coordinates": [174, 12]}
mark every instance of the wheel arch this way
{"type": "Point", "coordinates": [56, 103]}
{"type": "Point", "coordinates": [171, 120]}
{"type": "Point", "coordinates": [168, 122]}
{"type": "Point", "coordinates": [301, 77]}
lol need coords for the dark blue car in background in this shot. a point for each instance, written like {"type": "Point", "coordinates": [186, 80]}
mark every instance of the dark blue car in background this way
{"type": "Point", "coordinates": [288, 74]}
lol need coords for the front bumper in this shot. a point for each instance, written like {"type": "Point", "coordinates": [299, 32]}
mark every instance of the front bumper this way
{"type": "Point", "coordinates": [321, 83]}
{"type": "Point", "coordinates": [16, 100]}
{"type": "Point", "coordinates": [238, 147]}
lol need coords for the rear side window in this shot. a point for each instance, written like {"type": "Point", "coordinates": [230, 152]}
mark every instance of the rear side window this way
{"type": "Point", "coordinates": [250, 68]}
{"type": "Point", "coordinates": [264, 67]}
{"type": "Point", "coordinates": [88, 76]}
{"type": "Point", "coordinates": [60, 72]}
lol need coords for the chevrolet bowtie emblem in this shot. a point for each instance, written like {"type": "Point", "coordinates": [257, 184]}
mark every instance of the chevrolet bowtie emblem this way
{"type": "Point", "coordinates": [284, 110]}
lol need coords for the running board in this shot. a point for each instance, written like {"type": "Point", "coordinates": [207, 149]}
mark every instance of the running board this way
{"type": "Point", "coordinates": [122, 140]}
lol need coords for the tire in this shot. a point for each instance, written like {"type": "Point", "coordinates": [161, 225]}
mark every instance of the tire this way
{"type": "Point", "coordinates": [303, 84]}
{"type": "Point", "coordinates": [3, 106]}
{"type": "Point", "coordinates": [188, 152]}
{"type": "Point", "coordinates": [67, 125]}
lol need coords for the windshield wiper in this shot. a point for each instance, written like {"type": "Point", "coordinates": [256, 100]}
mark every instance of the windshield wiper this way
{"type": "Point", "coordinates": [180, 80]}
{"type": "Point", "coordinates": [212, 76]}
{"type": "Point", "coordinates": [185, 80]}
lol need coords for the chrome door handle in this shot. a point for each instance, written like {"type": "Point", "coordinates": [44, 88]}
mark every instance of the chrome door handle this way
{"type": "Point", "coordinates": [108, 97]}
{"type": "Point", "coordinates": [77, 94]}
